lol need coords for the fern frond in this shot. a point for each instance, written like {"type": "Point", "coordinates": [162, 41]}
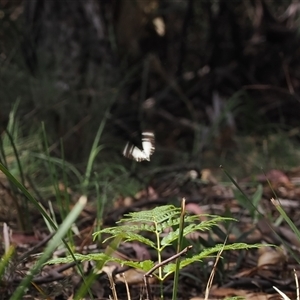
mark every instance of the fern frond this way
{"type": "Point", "coordinates": [169, 238]}
{"type": "Point", "coordinates": [203, 226]}
{"type": "Point", "coordinates": [206, 218]}
{"type": "Point", "coordinates": [80, 257]}
{"type": "Point", "coordinates": [170, 268]}
{"type": "Point", "coordinates": [167, 224]}
{"type": "Point", "coordinates": [125, 235]}
{"type": "Point", "coordinates": [132, 227]}
{"type": "Point", "coordinates": [157, 215]}
{"type": "Point", "coordinates": [145, 265]}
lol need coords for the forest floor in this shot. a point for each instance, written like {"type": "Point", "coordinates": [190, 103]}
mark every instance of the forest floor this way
{"type": "Point", "coordinates": [247, 273]}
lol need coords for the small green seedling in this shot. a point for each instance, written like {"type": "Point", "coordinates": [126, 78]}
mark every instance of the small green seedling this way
{"type": "Point", "coordinates": [163, 223]}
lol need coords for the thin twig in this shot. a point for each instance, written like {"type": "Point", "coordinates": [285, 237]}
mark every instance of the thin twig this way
{"type": "Point", "coordinates": [184, 251]}
{"type": "Point", "coordinates": [297, 284]}
{"type": "Point", "coordinates": [35, 247]}
{"type": "Point", "coordinates": [147, 288]}
{"type": "Point", "coordinates": [213, 271]}
{"type": "Point", "coordinates": [127, 287]}
{"type": "Point", "coordinates": [112, 285]}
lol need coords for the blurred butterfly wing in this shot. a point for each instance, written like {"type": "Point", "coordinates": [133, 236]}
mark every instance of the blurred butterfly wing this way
{"type": "Point", "coordinates": [134, 152]}
{"type": "Point", "coordinates": [148, 143]}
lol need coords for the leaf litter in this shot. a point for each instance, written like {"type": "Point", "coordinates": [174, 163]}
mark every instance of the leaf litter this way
{"type": "Point", "coordinates": [248, 274]}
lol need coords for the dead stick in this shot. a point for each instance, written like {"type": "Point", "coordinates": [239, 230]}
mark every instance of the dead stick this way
{"type": "Point", "coordinates": [184, 251]}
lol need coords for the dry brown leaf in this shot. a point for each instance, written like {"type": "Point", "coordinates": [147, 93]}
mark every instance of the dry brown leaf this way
{"type": "Point", "coordinates": [134, 276]}
{"type": "Point", "coordinates": [271, 257]}
{"type": "Point", "coordinates": [207, 176]}
{"type": "Point", "coordinates": [141, 251]}
{"type": "Point", "coordinates": [194, 208]}
{"type": "Point", "coordinates": [109, 268]}
{"type": "Point", "coordinates": [227, 292]}
{"type": "Point", "coordinates": [23, 239]}
{"type": "Point", "coordinates": [246, 273]}
{"type": "Point", "coordinates": [150, 194]}
{"type": "Point", "coordinates": [289, 235]}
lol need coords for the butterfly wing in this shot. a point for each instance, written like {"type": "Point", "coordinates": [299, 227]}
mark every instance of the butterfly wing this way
{"type": "Point", "coordinates": [148, 143]}
{"type": "Point", "coordinates": [133, 152]}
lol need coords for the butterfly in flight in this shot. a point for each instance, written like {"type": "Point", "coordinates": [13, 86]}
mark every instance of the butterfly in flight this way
{"type": "Point", "coordinates": [133, 152]}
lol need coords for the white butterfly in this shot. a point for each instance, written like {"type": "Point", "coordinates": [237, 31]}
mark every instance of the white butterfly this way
{"type": "Point", "coordinates": [133, 152]}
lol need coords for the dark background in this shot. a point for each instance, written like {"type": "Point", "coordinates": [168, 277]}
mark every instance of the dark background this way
{"type": "Point", "coordinates": [200, 73]}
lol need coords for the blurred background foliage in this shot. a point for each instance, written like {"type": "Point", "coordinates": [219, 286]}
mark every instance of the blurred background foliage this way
{"type": "Point", "coordinates": [216, 80]}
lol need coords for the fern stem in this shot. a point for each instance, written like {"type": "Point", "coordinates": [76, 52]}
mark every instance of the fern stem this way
{"type": "Point", "coordinates": [159, 251]}
{"type": "Point", "coordinates": [179, 246]}
{"type": "Point", "coordinates": [157, 234]}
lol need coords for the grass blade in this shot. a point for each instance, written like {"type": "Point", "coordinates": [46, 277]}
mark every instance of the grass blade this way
{"type": "Point", "coordinates": [61, 232]}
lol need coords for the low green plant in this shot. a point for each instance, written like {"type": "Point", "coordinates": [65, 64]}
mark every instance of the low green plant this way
{"type": "Point", "coordinates": [165, 224]}
{"type": "Point", "coordinates": [283, 216]}
{"type": "Point", "coordinates": [52, 245]}
{"type": "Point", "coordinates": [60, 232]}
{"type": "Point", "coordinates": [250, 203]}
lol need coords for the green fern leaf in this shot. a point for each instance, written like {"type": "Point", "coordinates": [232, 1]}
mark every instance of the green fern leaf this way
{"type": "Point", "coordinates": [131, 236]}
{"type": "Point", "coordinates": [145, 265]}
{"type": "Point", "coordinates": [203, 226]}
{"type": "Point", "coordinates": [170, 268]}
{"type": "Point", "coordinates": [157, 215]}
{"type": "Point", "coordinates": [79, 257]}
{"type": "Point", "coordinates": [169, 238]}
{"type": "Point", "coordinates": [129, 228]}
